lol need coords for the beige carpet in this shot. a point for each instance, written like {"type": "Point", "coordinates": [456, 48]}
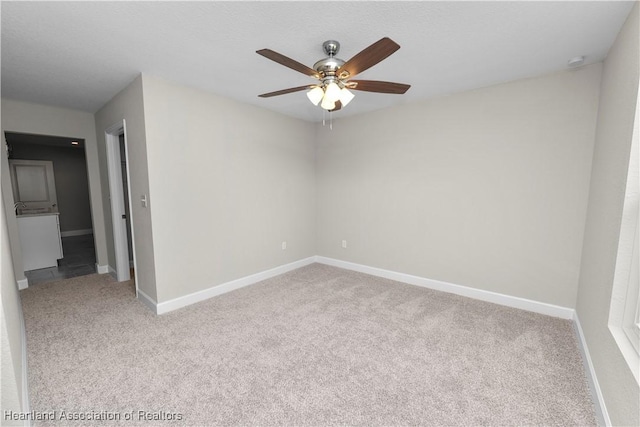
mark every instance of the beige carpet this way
{"type": "Point", "coordinates": [316, 346]}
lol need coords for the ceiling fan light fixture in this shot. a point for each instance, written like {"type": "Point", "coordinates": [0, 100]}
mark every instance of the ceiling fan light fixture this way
{"type": "Point", "coordinates": [346, 96]}
{"type": "Point", "coordinates": [327, 103]}
{"type": "Point", "coordinates": [332, 92]}
{"type": "Point", "coordinates": [315, 95]}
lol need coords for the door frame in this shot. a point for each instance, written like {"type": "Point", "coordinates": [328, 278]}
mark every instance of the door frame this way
{"type": "Point", "coordinates": [116, 195]}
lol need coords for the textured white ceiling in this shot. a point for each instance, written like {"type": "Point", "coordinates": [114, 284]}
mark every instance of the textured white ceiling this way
{"type": "Point", "coordinates": [80, 54]}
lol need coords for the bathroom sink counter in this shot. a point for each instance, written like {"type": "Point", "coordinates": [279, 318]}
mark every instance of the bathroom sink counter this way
{"type": "Point", "coordinates": [37, 214]}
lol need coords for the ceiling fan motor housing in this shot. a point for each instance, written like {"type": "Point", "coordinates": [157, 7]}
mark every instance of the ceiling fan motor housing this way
{"type": "Point", "coordinates": [328, 67]}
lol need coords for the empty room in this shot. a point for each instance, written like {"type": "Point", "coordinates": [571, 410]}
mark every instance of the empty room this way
{"type": "Point", "coordinates": [320, 213]}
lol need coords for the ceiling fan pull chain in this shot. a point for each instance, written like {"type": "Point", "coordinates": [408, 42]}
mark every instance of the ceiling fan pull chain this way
{"type": "Point", "coordinates": [323, 123]}
{"type": "Point", "coordinates": [330, 120]}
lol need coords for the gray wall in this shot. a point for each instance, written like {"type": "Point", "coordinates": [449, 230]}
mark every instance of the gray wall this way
{"type": "Point", "coordinates": [72, 185]}
{"type": "Point", "coordinates": [13, 387]}
{"type": "Point", "coordinates": [486, 188]}
{"type": "Point", "coordinates": [229, 182]}
{"type": "Point", "coordinates": [614, 132]}
{"type": "Point", "coordinates": [128, 105]}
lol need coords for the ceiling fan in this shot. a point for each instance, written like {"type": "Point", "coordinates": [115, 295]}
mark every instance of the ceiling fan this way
{"type": "Point", "coordinates": [333, 91]}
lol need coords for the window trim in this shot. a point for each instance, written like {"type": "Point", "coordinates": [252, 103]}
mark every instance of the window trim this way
{"type": "Point", "coordinates": [624, 312]}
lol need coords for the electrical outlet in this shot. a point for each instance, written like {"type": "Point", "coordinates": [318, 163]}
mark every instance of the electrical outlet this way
{"type": "Point", "coordinates": [344, 244]}
{"type": "Point", "coordinates": [284, 245]}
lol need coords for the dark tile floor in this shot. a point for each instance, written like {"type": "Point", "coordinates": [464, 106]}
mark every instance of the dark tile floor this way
{"type": "Point", "coordinates": [79, 260]}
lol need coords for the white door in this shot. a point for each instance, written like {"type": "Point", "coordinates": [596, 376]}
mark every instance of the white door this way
{"type": "Point", "coordinates": [34, 185]}
{"type": "Point", "coordinates": [114, 171]}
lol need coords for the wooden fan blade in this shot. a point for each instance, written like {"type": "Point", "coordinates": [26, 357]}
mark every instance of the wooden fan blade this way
{"type": "Point", "coordinates": [284, 91]}
{"type": "Point", "coordinates": [337, 107]}
{"type": "Point", "coordinates": [370, 56]}
{"type": "Point", "coordinates": [378, 86]}
{"type": "Point", "coordinates": [287, 62]}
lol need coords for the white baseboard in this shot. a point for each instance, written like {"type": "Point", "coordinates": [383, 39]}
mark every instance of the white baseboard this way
{"type": "Point", "coordinates": [102, 269]}
{"type": "Point", "coordinates": [148, 301]}
{"type": "Point", "coordinates": [493, 297]}
{"type": "Point", "coordinates": [113, 273]}
{"type": "Point", "coordinates": [23, 284]}
{"type": "Point", "coordinates": [76, 232]}
{"type": "Point", "coordinates": [174, 304]}
{"type": "Point", "coordinates": [596, 393]}
{"type": "Point", "coordinates": [479, 294]}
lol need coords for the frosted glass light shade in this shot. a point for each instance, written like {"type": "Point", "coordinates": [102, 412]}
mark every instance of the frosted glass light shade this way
{"type": "Point", "coordinates": [328, 104]}
{"type": "Point", "coordinates": [315, 95]}
{"type": "Point", "coordinates": [332, 92]}
{"type": "Point", "coordinates": [346, 96]}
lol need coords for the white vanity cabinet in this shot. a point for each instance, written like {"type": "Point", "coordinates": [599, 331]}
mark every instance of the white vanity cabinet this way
{"type": "Point", "coordinates": [40, 240]}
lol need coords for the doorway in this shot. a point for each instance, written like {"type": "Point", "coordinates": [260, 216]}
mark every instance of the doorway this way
{"type": "Point", "coordinates": [125, 191]}
{"type": "Point", "coordinates": [51, 190]}
{"type": "Point", "coordinates": [120, 196]}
